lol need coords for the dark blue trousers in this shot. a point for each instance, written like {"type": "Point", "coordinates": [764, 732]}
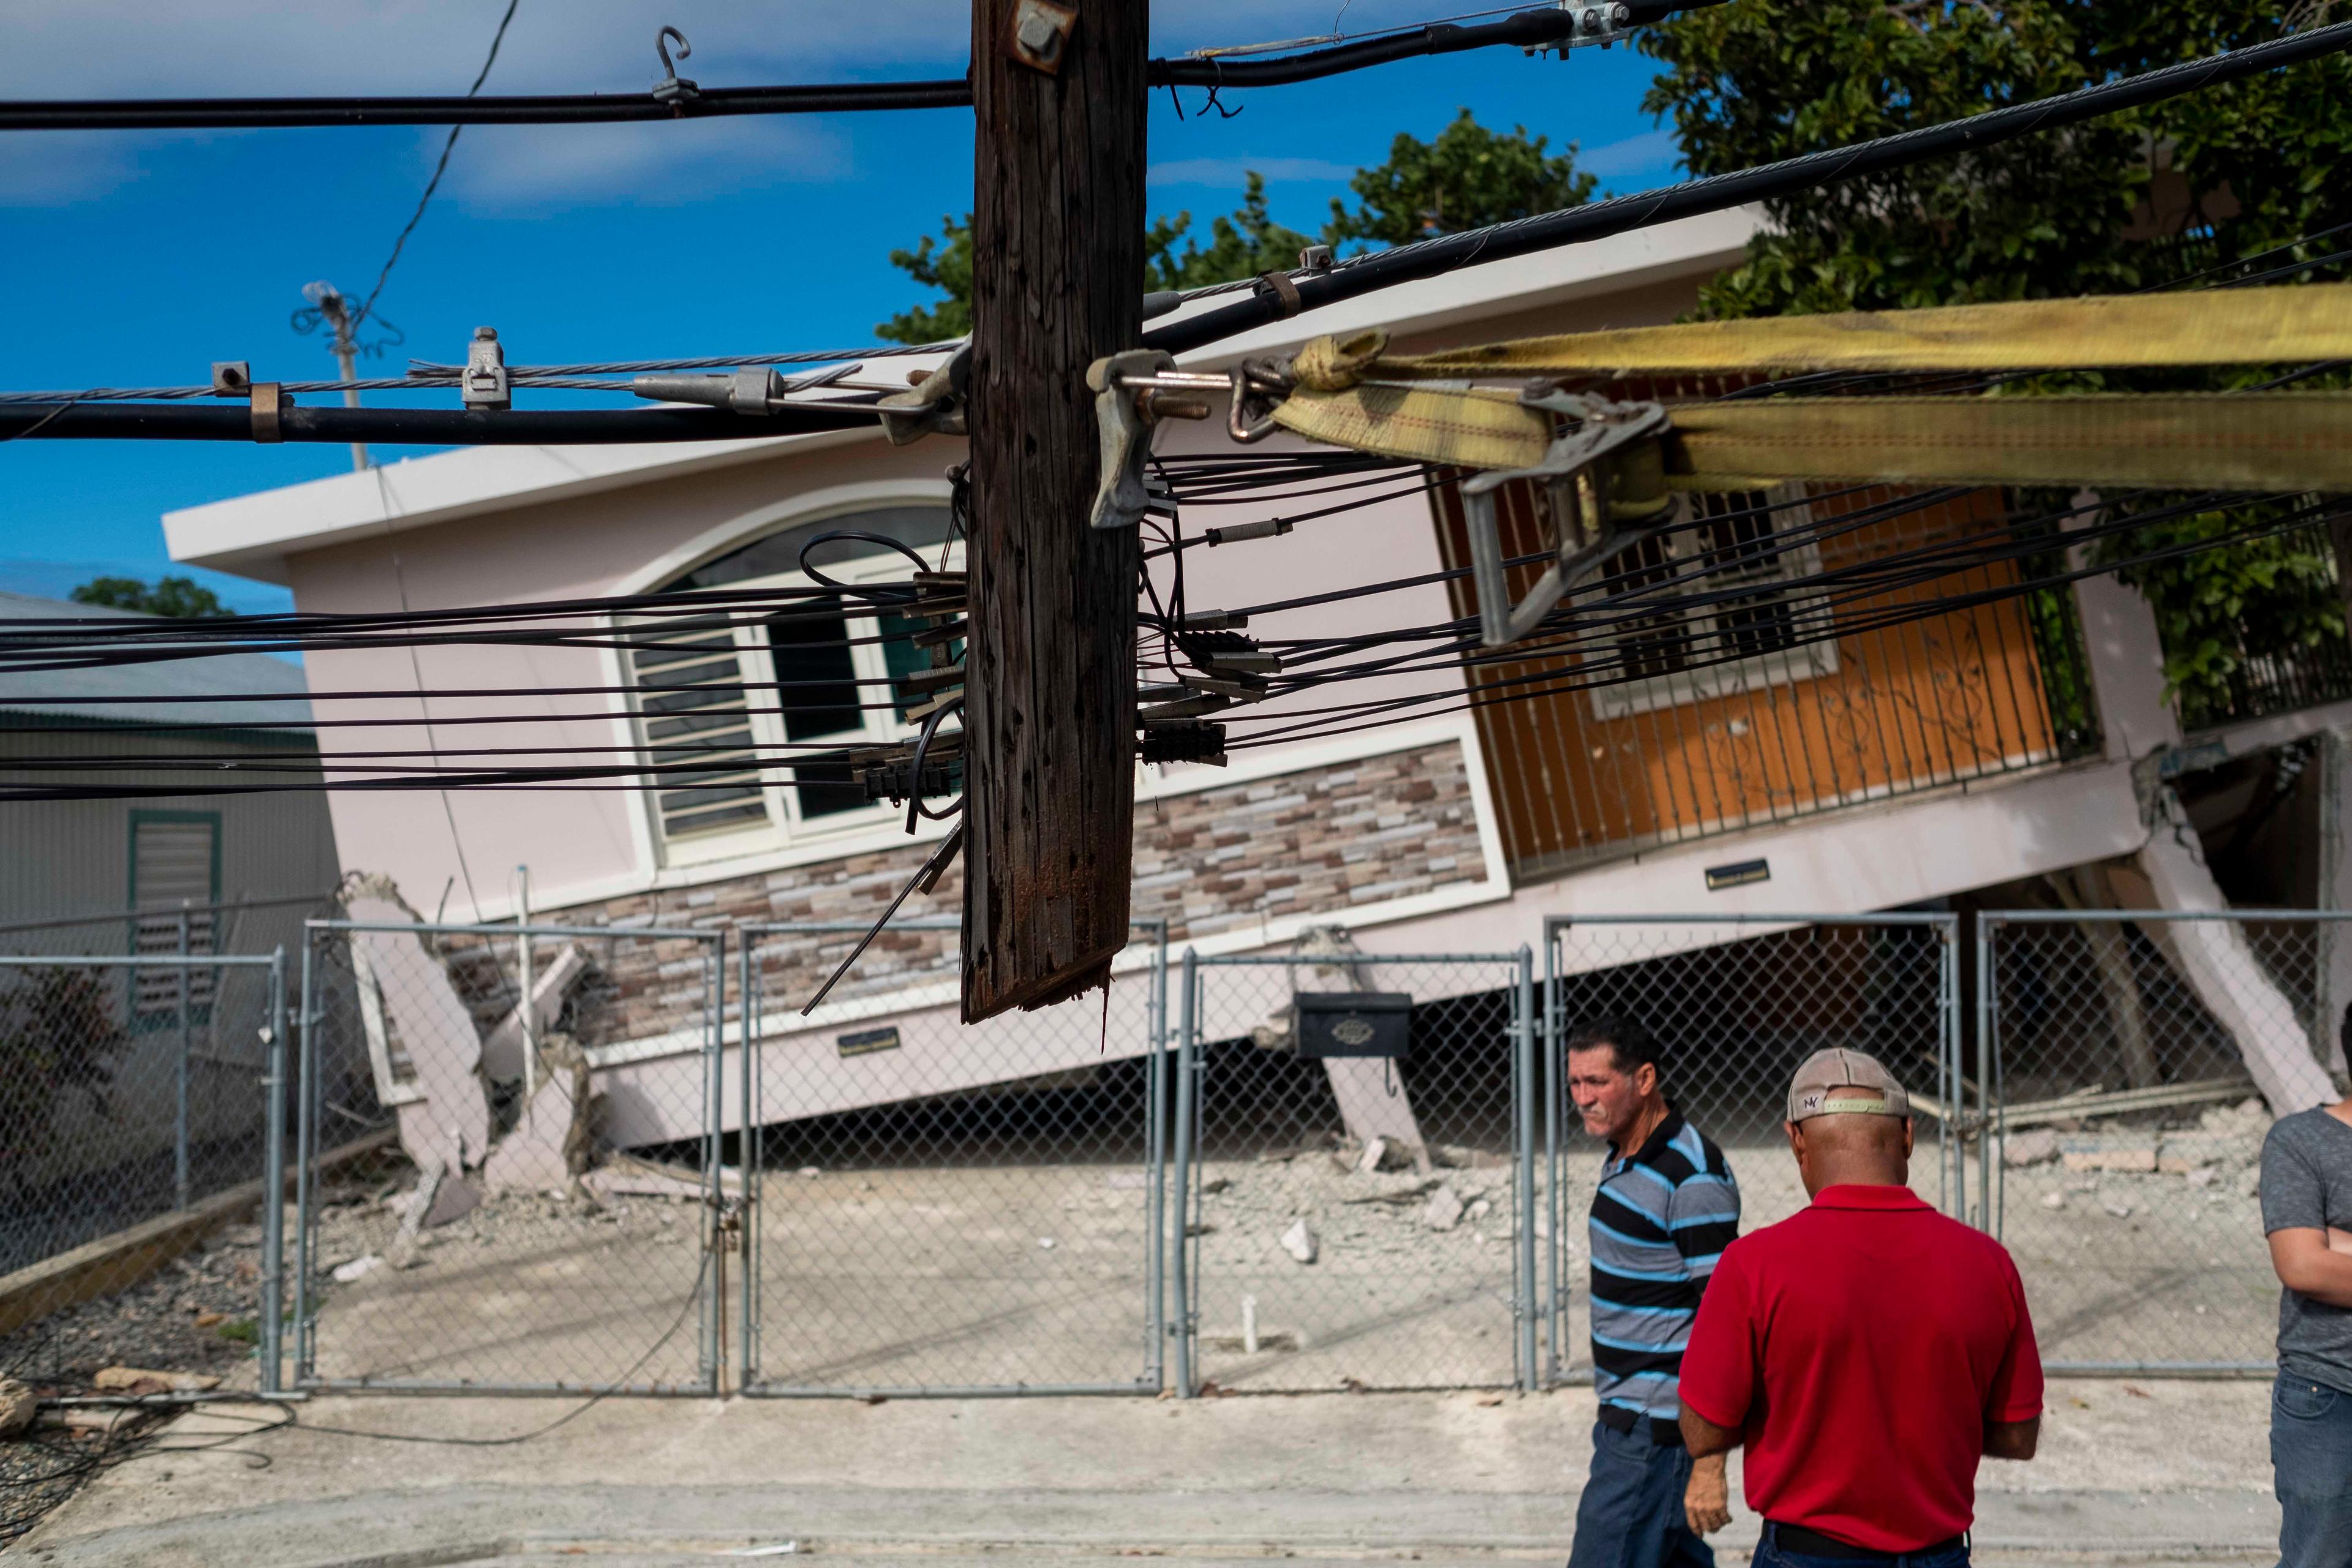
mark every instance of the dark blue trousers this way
{"type": "Point", "coordinates": [2310, 1464]}
{"type": "Point", "coordinates": [1630, 1515]}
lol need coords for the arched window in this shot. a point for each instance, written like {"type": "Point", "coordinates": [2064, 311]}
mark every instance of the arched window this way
{"type": "Point", "coordinates": [762, 691]}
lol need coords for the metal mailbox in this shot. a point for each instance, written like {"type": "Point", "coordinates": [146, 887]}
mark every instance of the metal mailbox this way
{"type": "Point", "coordinates": [1354, 1023]}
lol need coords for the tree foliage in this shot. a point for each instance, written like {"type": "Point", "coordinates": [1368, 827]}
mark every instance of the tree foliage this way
{"type": "Point", "coordinates": [2132, 201]}
{"type": "Point", "coordinates": [1467, 177]}
{"type": "Point", "coordinates": [181, 598]}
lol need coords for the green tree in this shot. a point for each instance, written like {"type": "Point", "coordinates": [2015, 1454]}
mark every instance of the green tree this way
{"type": "Point", "coordinates": [1467, 178]}
{"type": "Point", "coordinates": [181, 598]}
{"type": "Point", "coordinates": [2128, 202]}
{"type": "Point", "coordinates": [1243, 244]}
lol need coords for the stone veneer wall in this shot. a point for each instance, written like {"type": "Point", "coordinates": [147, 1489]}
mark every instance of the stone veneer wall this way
{"type": "Point", "coordinates": [1219, 859]}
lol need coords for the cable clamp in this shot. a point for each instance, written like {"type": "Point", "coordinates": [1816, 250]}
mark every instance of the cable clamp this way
{"type": "Point", "coordinates": [673, 89]}
{"type": "Point", "coordinates": [1278, 286]}
{"type": "Point", "coordinates": [935, 406]}
{"type": "Point", "coordinates": [269, 401]}
{"type": "Point", "coordinates": [484, 383]}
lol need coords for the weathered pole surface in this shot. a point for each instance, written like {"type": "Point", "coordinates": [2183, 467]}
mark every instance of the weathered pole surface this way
{"type": "Point", "coordinates": [1057, 280]}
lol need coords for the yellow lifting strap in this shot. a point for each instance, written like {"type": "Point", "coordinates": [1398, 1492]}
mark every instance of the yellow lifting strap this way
{"type": "Point", "coordinates": [2238, 441]}
{"type": "Point", "coordinates": [2217, 326]}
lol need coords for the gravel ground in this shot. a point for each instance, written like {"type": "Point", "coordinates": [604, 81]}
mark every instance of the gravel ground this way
{"type": "Point", "coordinates": [195, 1314]}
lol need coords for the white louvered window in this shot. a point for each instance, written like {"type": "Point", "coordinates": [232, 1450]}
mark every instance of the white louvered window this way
{"type": "Point", "coordinates": [709, 728]}
{"type": "Point", "coordinates": [1745, 624]}
{"type": "Point", "coordinates": [779, 689]}
{"type": "Point", "coordinates": [175, 873]}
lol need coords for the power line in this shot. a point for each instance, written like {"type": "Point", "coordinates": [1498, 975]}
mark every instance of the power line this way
{"type": "Point", "coordinates": [1536, 29]}
{"type": "Point", "coordinates": [1366, 274]}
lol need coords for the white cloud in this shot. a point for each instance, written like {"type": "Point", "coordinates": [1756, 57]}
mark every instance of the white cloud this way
{"type": "Point", "coordinates": [1651, 151]}
{"type": "Point", "coordinates": [1232, 172]}
{"type": "Point", "coordinates": [59, 168]}
{"type": "Point", "coordinates": [537, 166]}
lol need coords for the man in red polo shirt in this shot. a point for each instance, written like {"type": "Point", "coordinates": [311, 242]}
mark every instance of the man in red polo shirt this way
{"type": "Point", "coordinates": [1867, 1350]}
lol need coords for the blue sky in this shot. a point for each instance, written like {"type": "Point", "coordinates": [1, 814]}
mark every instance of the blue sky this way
{"type": "Point", "coordinates": [139, 259]}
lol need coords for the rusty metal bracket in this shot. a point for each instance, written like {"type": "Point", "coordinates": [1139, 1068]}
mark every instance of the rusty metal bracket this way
{"type": "Point", "coordinates": [1041, 33]}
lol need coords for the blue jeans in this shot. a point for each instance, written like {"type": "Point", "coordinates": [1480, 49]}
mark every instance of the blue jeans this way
{"type": "Point", "coordinates": [1630, 1515]}
{"type": "Point", "coordinates": [2311, 1464]}
{"type": "Point", "coordinates": [1770, 1555]}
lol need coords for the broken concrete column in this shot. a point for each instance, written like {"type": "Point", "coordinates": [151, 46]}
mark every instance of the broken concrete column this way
{"type": "Point", "coordinates": [2335, 892]}
{"type": "Point", "coordinates": [2220, 966]}
{"type": "Point", "coordinates": [551, 1142]}
{"type": "Point", "coordinates": [502, 1051]}
{"type": "Point", "coordinates": [421, 1042]}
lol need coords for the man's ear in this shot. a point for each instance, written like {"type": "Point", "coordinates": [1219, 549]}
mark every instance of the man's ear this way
{"type": "Point", "coordinates": [1796, 1138]}
{"type": "Point", "coordinates": [1910, 1131]}
{"type": "Point", "coordinates": [1645, 1078]}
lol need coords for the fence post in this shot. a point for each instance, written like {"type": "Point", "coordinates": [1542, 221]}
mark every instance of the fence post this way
{"type": "Point", "coordinates": [1987, 1055]}
{"type": "Point", "coordinates": [751, 1154]}
{"type": "Point", "coordinates": [273, 1188]}
{"type": "Point", "coordinates": [1155, 1178]}
{"type": "Point", "coordinates": [180, 1184]}
{"type": "Point", "coordinates": [1523, 1062]}
{"type": "Point", "coordinates": [305, 1133]}
{"type": "Point", "coordinates": [1187, 1073]}
{"type": "Point", "coordinates": [1555, 1314]}
{"type": "Point", "coordinates": [714, 1284]}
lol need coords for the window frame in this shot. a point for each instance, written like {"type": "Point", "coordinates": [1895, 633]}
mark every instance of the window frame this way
{"type": "Point", "coordinates": [153, 993]}
{"type": "Point", "coordinates": [783, 824]}
{"type": "Point", "coordinates": [1778, 667]}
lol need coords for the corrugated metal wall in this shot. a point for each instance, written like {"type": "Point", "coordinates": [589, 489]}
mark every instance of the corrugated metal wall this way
{"type": "Point", "coordinates": [64, 858]}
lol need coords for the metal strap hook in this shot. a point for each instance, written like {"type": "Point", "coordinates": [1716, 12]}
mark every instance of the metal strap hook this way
{"type": "Point", "coordinates": [673, 89]}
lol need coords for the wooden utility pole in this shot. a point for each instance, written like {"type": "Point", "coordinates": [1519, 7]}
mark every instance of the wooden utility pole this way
{"type": "Point", "coordinates": [1057, 283]}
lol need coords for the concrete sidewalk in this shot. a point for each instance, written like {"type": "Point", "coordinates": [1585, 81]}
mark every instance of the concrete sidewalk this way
{"type": "Point", "coordinates": [2173, 1472]}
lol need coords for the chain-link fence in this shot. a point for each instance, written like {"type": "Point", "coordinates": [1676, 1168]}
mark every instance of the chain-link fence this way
{"type": "Point", "coordinates": [129, 1088]}
{"type": "Point", "coordinates": [1351, 1146]}
{"type": "Point", "coordinates": [1736, 1003]}
{"type": "Point", "coordinates": [940, 1207]}
{"type": "Point", "coordinates": [546, 1221]}
{"type": "Point", "coordinates": [2126, 1055]}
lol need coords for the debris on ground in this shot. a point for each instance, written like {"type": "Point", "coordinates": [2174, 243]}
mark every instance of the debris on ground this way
{"type": "Point", "coordinates": [1300, 1242]}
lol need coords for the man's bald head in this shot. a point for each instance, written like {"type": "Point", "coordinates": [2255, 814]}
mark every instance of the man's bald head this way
{"type": "Point", "coordinates": [1864, 1148]}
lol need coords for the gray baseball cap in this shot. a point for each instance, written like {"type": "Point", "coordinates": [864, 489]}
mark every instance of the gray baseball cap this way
{"type": "Point", "coordinates": [1825, 1073]}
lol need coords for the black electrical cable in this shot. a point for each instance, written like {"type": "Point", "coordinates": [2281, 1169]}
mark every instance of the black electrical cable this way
{"type": "Point", "coordinates": [542, 109]}
{"type": "Point", "coordinates": [1545, 28]}
{"type": "Point", "coordinates": [1540, 27]}
{"type": "Point", "coordinates": [417, 426]}
{"type": "Point", "coordinates": [1366, 274]}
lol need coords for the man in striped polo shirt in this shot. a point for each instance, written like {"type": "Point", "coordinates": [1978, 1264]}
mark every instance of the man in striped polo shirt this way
{"type": "Point", "coordinates": [1664, 1211]}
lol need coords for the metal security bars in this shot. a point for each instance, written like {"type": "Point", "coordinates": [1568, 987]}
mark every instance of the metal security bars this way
{"type": "Point", "coordinates": [2124, 1051]}
{"type": "Point", "coordinates": [1736, 1002]}
{"type": "Point", "coordinates": [553, 1220]}
{"type": "Point", "coordinates": [1354, 1221]}
{"type": "Point", "coordinates": [115, 1110]}
{"type": "Point", "coordinates": [936, 1208]}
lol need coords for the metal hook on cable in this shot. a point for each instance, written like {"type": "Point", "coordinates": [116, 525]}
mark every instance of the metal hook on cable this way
{"type": "Point", "coordinates": [673, 89]}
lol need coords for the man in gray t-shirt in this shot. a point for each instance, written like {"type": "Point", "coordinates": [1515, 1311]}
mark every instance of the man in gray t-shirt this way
{"type": "Point", "coordinates": [2308, 1216]}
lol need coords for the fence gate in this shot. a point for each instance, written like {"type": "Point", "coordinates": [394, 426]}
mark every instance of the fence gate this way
{"type": "Point", "coordinates": [1355, 1221]}
{"type": "Point", "coordinates": [2125, 1051]}
{"type": "Point", "coordinates": [545, 1222]}
{"type": "Point", "coordinates": [942, 1209]}
{"type": "Point", "coordinates": [1736, 1003]}
{"type": "Point", "coordinates": [131, 1086]}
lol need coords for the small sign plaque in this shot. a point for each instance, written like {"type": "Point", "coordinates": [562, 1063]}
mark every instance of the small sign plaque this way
{"type": "Point", "coordinates": [1738, 874]}
{"type": "Point", "coordinates": [866, 1042]}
